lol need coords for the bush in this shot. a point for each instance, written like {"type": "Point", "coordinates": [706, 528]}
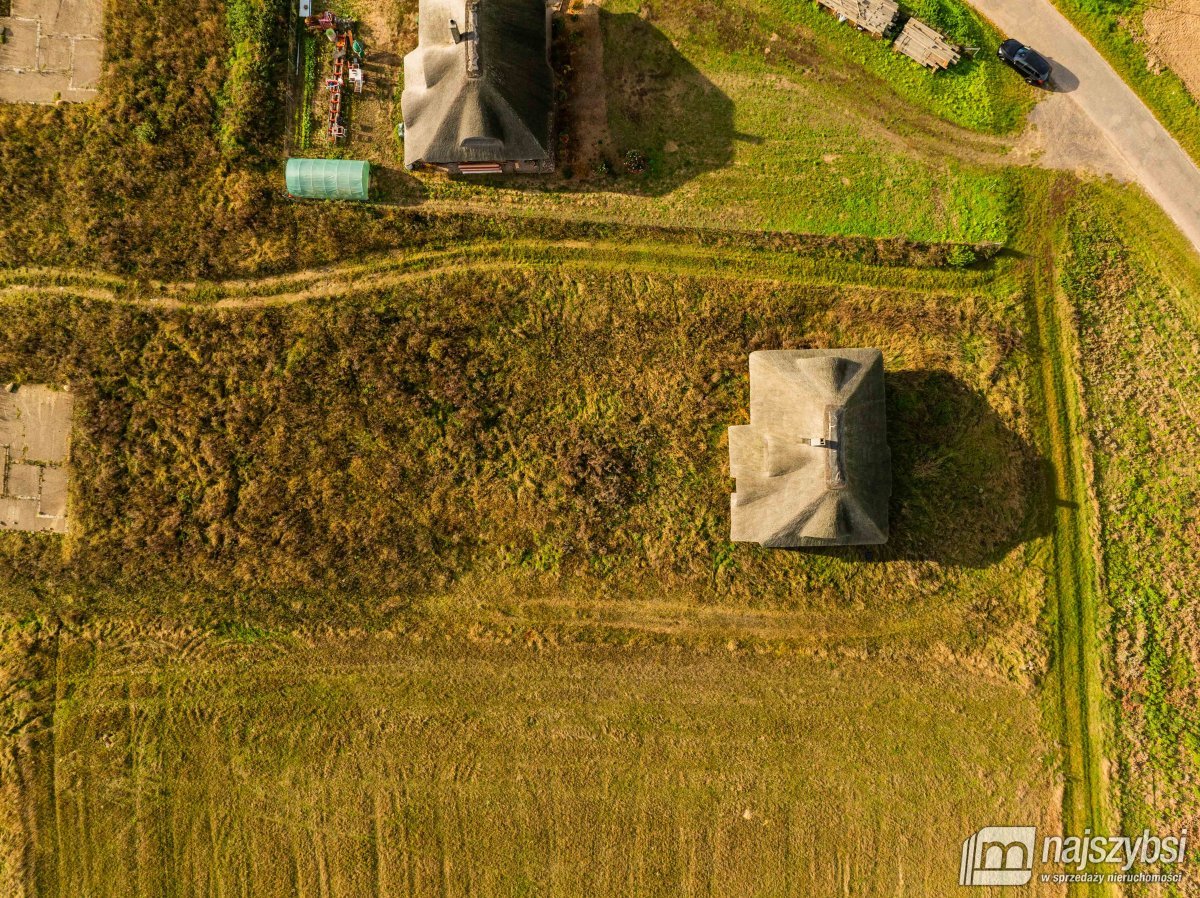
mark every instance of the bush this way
{"type": "Point", "coordinates": [247, 97]}
{"type": "Point", "coordinates": [960, 256]}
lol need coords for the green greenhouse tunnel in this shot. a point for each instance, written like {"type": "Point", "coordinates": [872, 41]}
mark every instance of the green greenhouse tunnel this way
{"type": "Point", "coordinates": [328, 179]}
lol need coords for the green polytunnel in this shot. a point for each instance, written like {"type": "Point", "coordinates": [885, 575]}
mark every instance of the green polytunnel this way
{"type": "Point", "coordinates": [328, 179]}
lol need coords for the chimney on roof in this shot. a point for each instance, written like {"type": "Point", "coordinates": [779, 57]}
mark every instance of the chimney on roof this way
{"type": "Point", "coordinates": [455, 33]}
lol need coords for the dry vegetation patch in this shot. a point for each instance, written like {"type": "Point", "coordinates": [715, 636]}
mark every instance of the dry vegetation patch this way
{"type": "Point", "coordinates": [530, 424]}
{"type": "Point", "coordinates": [1141, 364]}
{"type": "Point", "coordinates": [1172, 32]}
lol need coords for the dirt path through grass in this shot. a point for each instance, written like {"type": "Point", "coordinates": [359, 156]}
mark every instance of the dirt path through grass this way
{"type": "Point", "coordinates": [406, 267]}
{"type": "Point", "coordinates": [1074, 574]}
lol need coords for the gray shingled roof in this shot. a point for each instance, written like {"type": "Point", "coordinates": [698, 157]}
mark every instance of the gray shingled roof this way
{"type": "Point", "coordinates": [813, 466]}
{"type": "Point", "coordinates": [487, 98]}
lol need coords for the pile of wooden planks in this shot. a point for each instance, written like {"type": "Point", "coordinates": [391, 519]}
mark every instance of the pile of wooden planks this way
{"type": "Point", "coordinates": [876, 17]}
{"type": "Point", "coordinates": [920, 42]}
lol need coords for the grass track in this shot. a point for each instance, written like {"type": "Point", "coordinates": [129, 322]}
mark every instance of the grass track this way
{"type": "Point", "coordinates": [1074, 576]}
{"type": "Point", "coordinates": [405, 267]}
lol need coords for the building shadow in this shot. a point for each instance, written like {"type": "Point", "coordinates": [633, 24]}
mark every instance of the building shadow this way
{"type": "Point", "coordinates": [632, 114]}
{"type": "Point", "coordinates": [662, 108]}
{"type": "Point", "coordinates": [966, 488]}
{"type": "Point", "coordinates": [395, 186]}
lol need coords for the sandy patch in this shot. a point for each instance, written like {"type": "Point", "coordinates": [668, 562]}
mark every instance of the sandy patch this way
{"type": "Point", "coordinates": [1061, 136]}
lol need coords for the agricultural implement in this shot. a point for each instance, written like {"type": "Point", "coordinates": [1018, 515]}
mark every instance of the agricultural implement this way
{"type": "Point", "coordinates": [347, 68]}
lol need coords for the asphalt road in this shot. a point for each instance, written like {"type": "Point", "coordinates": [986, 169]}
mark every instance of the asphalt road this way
{"type": "Point", "coordinates": [1154, 158]}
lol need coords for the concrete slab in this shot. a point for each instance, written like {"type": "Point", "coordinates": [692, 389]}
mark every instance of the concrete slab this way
{"type": "Point", "coordinates": [35, 423]}
{"type": "Point", "coordinates": [87, 54]}
{"type": "Point", "coordinates": [24, 481]}
{"type": "Point", "coordinates": [54, 54]}
{"type": "Point", "coordinates": [53, 501]}
{"type": "Point", "coordinates": [19, 514]}
{"type": "Point", "coordinates": [19, 50]}
{"type": "Point", "coordinates": [72, 17]}
{"type": "Point", "coordinates": [35, 431]}
{"type": "Point", "coordinates": [27, 9]}
{"type": "Point", "coordinates": [52, 51]}
{"type": "Point", "coordinates": [39, 87]}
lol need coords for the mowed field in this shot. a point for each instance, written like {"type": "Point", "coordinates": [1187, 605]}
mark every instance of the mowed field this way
{"type": "Point", "coordinates": [424, 587]}
{"type": "Point", "coordinates": [396, 766]}
{"type": "Point", "coordinates": [1137, 284]}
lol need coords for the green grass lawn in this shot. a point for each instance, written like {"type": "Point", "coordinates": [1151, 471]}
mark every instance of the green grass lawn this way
{"type": "Point", "coordinates": [744, 117]}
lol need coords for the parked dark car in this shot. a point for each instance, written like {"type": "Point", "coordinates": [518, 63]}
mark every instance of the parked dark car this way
{"type": "Point", "coordinates": [1026, 60]}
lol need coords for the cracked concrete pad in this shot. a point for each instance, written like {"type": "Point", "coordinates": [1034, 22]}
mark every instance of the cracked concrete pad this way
{"type": "Point", "coordinates": [52, 51]}
{"type": "Point", "coordinates": [87, 54]}
{"type": "Point", "coordinates": [35, 430]}
{"type": "Point", "coordinates": [35, 423]}
{"type": "Point", "coordinates": [72, 16]}
{"type": "Point", "coordinates": [54, 494]}
{"type": "Point", "coordinates": [54, 54]}
{"type": "Point", "coordinates": [19, 50]}
{"type": "Point", "coordinates": [24, 481]}
{"type": "Point", "coordinates": [18, 514]}
{"type": "Point", "coordinates": [28, 9]}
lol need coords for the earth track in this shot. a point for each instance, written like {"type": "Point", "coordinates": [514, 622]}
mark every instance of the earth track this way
{"type": "Point", "coordinates": [1074, 576]}
{"type": "Point", "coordinates": [400, 268]}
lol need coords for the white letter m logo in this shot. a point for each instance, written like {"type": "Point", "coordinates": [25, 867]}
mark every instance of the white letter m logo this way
{"type": "Point", "coordinates": [998, 856]}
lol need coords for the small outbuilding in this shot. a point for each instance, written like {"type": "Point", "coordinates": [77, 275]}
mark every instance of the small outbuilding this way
{"type": "Point", "coordinates": [328, 179]}
{"type": "Point", "coordinates": [478, 90]}
{"type": "Point", "coordinates": [812, 468]}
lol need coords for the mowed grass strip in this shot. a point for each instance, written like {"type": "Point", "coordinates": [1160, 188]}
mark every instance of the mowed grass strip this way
{"type": "Point", "coordinates": [385, 766]}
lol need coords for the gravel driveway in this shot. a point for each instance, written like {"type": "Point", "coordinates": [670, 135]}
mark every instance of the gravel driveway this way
{"type": "Point", "coordinates": [1156, 161]}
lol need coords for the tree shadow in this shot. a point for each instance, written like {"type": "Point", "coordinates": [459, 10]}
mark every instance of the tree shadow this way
{"type": "Point", "coordinates": [966, 488]}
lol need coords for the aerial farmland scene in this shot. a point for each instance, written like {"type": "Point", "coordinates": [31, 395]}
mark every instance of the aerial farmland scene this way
{"type": "Point", "coordinates": [599, 448]}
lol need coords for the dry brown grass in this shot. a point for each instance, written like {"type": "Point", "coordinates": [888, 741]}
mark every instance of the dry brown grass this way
{"type": "Point", "coordinates": [516, 477]}
{"type": "Point", "coordinates": [388, 766]}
